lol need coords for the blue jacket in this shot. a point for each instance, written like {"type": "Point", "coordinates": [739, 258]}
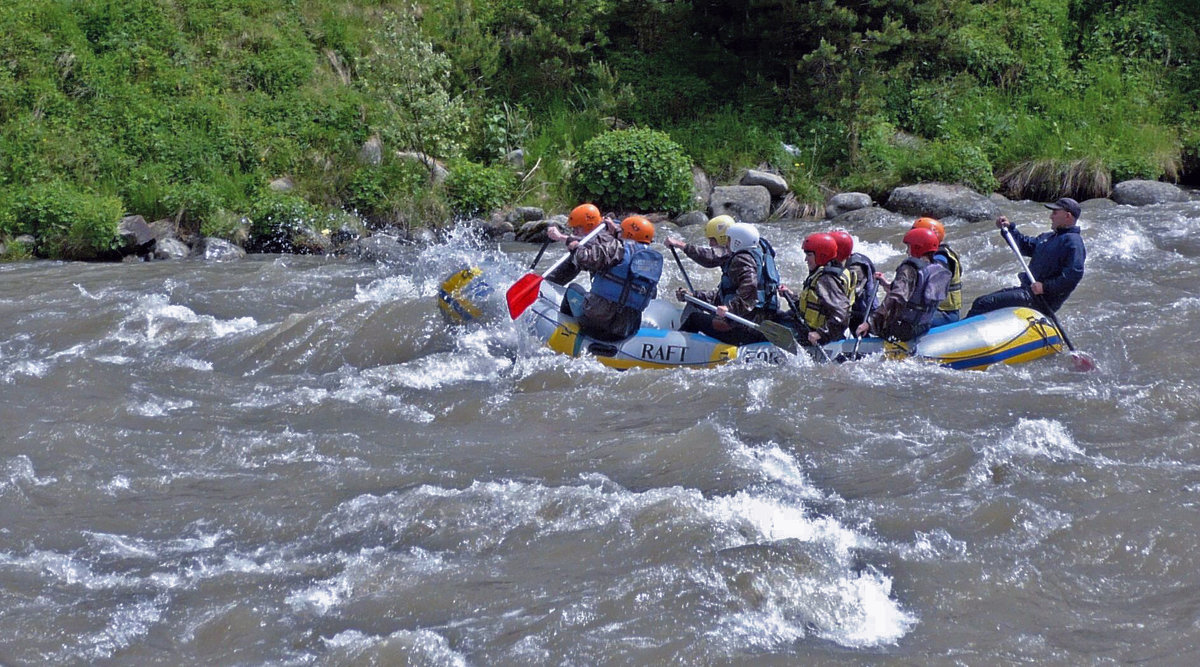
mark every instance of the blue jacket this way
{"type": "Point", "coordinates": [1057, 259]}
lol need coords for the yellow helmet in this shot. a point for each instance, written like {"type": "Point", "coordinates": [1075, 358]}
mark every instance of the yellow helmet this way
{"type": "Point", "coordinates": [716, 228]}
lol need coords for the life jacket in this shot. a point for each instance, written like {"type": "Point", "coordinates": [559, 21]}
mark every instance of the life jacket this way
{"type": "Point", "coordinates": [866, 292]}
{"type": "Point", "coordinates": [768, 278]}
{"type": "Point", "coordinates": [915, 315]}
{"type": "Point", "coordinates": [810, 303]}
{"type": "Point", "coordinates": [953, 301]}
{"type": "Point", "coordinates": [634, 280]}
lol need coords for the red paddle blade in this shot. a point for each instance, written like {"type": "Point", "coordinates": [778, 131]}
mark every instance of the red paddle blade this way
{"type": "Point", "coordinates": [1082, 362]}
{"type": "Point", "coordinates": [523, 293]}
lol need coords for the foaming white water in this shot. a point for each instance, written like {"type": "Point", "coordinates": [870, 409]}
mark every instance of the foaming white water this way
{"type": "Point", "coordinates": [154, 320]}
{"type": "Point", "coordinates": [18, 471]}
{"type": "Point", "coordinates": [392, 288]}
{"type": "Point", "coordinates": [413, 647]}
{"type": "Point", "coordinates": [827, 593]}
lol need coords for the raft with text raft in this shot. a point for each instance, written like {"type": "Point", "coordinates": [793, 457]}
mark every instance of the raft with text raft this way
{"type": "Point", "coordinates": [1005, 336]}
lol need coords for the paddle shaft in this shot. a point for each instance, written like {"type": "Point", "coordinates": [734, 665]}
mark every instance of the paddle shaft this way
{"type": "Point", "coordinates": [686, 279]}
{"type": "Point", "coordinates": [1012, 243]}
{"type": "Point", "coordinates": [712, 309]}
{"type": "Point", "coordinates": [796, 311]}
{"type": "Point", "coordinates": [540, 252]}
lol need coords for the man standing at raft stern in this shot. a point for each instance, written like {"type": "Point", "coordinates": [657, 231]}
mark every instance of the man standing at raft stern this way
{"type": "Point", "coordinates": [1057, 259]}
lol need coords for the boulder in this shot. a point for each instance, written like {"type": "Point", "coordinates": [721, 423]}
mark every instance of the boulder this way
{"type": "Point", "coordinates": [691, 218]}
{"type": "Point", "coordinates": [872, 216]}
{"type": "Point", "coordinates": [494, 227]}
{"type": "Point", "coordinates": [941, 200]}
{"type": "Point", "coordinates": [1145, 193]}
{"type": "Point", "coordinates": [283, 184]}
{"type": "Point", "coordinates": [437, 170]}
{"type": "Point", "coordinates": [171, 248]}
{"type": "Point", "coordinates": [774, 183]}
{"type": "Point", "coordinates": [701, 189]}
{"type": "Point", "coordinates": [136, 236]}
{"type": "Point", "coordinates": [218, 250]}
{"type": "Point", "coordinates": [371, 152]}
{"type": "Point", "coordinates": [515, 159]}
{"type": "Point", "coordinates": [527, 213]}
{"type": "Point", "coordinates": [746, 203]}
{"type": "Point", "coordinates": [846, 201]}
{"type": "Point", "coordinates": [533, 231]}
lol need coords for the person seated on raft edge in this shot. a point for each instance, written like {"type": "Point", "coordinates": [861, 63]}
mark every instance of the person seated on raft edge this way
{"type": "Point", "coordinates": [625, 273]}
{"type": "Point", "coordinates": [913, 296]}
{"type": "Point", "coordinates": [583, 219]}
{"type": "Point", "coordinates": [862, 276]}
{"type": "Point", "coordinates": [1056, 262]}
{"type": "Point", "coordinates": [950, 309]}
{"type": "Point", "coordinates": [748, 288]}
{"type": "Point", "coordinates": [824, 304]}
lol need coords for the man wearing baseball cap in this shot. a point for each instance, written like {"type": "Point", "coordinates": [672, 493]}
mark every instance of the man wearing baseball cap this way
{"type": "Point", "coordinates": [1056, 261]}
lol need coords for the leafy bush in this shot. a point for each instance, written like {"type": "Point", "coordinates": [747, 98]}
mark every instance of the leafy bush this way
{"type": "Point", "coordinates": [949, 161]}
{"type": "Point", "coordinates": [474, 189]}
{"type": "Point", "coordinates": [275, 218]}
{"type": "Point", "coordinates": [641, 170]}
{"type": "Point", "coordinates": [69, 223]}
{"type": "Point", "coordinates": [377, 191]}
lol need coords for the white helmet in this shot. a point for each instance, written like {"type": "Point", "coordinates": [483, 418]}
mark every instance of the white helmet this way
{"type": "Point", "coordinates": [742, 236]}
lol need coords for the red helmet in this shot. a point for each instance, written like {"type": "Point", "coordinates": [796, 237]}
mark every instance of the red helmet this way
{"type": "Point", "coordinates": [584, 218]}
{"type": "Point", "coordinates": [921, 242]}
{"type": "Point", "coordinates": [845, 244]}
{"type": "Point", "coordinates": [637, 228]}
{"type": "Point", "coordinates": [823, 247]}
{"type": "Point", "coordinates": [930, 223]}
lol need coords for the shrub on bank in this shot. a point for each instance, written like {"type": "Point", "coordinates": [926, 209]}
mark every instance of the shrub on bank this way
{"type": "Point", "coordinates": [473, 188]}
{"type": "Point", "coordinates": [69, 223]}
{"type": "Point", "coordinates": [634, 170]}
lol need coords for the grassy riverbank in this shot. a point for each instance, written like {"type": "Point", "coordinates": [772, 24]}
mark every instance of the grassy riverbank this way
{"type": "Point", "coordinates": [190, 108]}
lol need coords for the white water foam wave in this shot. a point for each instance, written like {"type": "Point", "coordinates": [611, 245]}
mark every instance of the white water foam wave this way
{"type": "Point", "coordinates": [487, 520]}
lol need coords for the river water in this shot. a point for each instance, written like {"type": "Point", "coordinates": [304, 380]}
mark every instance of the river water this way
{"type": "Point", "coordinates": [295, 460]}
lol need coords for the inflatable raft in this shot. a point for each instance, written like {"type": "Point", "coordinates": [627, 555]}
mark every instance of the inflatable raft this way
{"type": "Point", "coordinates": [1006, 336]}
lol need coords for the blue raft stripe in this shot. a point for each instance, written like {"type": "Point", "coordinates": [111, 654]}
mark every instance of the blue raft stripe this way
{"type": "Point", "coordinates": [1004, 355]}
{"type": "Point", "coordinates": [457, 307]}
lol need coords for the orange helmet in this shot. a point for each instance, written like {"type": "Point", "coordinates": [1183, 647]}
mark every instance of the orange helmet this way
{"type": "Point", "coordinates": [920, 241]}
{"type": "Point", "coordinates": [823, 247]}
{"type": "Point", "coordinates": [931, 223]}
{"type": "Point", "coordinates": [637, 228]}
{"type": "Point", "coordinates": [845, 244]}
{"type": "Point", "coordinates": [584, 218]}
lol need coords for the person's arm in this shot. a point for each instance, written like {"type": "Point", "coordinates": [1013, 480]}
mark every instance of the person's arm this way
{"type": "Point", "coordinates": [744, 273]}
{"type": "Point", "coordinates": [897, 295]}
{"type": "Point", "coordinates": [706, 256]}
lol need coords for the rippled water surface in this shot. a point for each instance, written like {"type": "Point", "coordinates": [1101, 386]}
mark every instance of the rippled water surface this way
{"type": "Point", "coordinates": [294, 460]}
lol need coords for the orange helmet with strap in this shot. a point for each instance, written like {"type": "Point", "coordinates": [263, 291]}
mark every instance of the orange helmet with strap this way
{"type": "Point", "coordinates": [584, 218]}
{"type": "Point", "coordinates": [921, 241]}
{"type": "Point", "coordinates": [931, 224]}
{"type": "Point", "coordinates": [637, 228]}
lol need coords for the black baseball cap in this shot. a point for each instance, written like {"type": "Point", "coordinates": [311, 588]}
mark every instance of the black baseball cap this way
{"type": "Point", "coordinates": [1066, 204]}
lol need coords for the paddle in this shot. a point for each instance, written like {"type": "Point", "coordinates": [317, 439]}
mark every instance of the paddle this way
{"type": "Point", "coordinates": [682, 270]}
{"type": "Point", "coordinates": [775, 333]}
{"type": "Point", "coordinates": [1082, 361]}
{"type": "Point", "coordinates": [525, 291]}
{"type": "Point", "coordinates": [540, 251]}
